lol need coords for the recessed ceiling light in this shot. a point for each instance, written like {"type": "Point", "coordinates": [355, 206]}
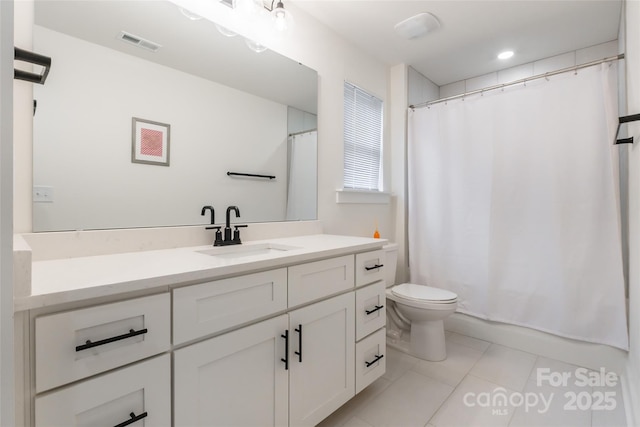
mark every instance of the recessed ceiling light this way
{"type": "Point", "coordinates": [417, 26]}
{"type": "Point", "coordinates": [505, 55]}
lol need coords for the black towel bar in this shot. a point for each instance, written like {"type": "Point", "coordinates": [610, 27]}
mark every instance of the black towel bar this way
{"type": "Point", "coordinates": [251, 175]}
{"type": "Point", "coordinates": [33, 58]}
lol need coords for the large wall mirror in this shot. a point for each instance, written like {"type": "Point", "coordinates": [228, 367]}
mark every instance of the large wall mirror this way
{"type": "Point", "coordinates": [222, 107]}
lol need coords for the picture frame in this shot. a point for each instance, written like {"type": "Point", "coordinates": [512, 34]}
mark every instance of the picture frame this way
{"type": "Point", "coordinates": [150, 142]}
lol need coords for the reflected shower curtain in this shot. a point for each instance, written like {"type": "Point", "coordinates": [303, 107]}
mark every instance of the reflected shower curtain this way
{"type": "Point", "coordinates": [302, 184]}
{"type": "Point", "coordinates": [513, 205]}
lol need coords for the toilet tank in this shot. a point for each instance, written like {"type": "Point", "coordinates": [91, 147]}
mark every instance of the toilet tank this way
{"type": "Point", "coordinates": [390, 263]}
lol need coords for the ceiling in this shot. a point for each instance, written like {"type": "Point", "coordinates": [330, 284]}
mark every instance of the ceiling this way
{"type": "Point", "coordinates": [472, 33]}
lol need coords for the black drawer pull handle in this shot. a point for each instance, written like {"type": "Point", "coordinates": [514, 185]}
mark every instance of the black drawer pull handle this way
{"type": "Point", "coordinates": [378, 357]}
{"type": "Point", "coordinates": [299, 352]}
{"type": "Point", "coordinates": [374, 267]}
{"type": "Point", "coordinates": [286, 350]}
{"type": "Point", "coordinates": [133, 419]}
{"type": "Point", "coordinates": [90, 344]}
{"type": "Point", "coordinates": [378, 307]}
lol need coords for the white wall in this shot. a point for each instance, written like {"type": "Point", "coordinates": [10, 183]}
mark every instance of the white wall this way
{"type": "Point", "coordinates": [87, 110]}
{"type": "Point", "coordinates": [7, 398]}
{"type": "Point", "coordinates": [632, 60]}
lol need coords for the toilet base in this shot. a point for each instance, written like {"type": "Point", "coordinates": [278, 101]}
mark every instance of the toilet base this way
{"type": "Point", "coordinates": [427, 340]}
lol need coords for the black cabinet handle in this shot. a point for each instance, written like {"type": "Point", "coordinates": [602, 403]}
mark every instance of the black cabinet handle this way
{"type": "Point", "coordinates": [374, 267]}
{"type": "Point", "coordinates": [299, 352]}
{"type": "Point", "coordinates": [286, 350]}
{"type": "Point", "coordinates": [378, 357]}
{"type": "Point", "coordinates": [377, 307]}
{"type": "Point", "coordinates": [133, 419]}
{"type": "Point", "coordinates": [90, 344]}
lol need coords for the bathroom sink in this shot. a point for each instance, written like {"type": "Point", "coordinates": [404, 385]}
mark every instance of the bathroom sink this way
{"type": "Point", "coordinates": [241, 251]}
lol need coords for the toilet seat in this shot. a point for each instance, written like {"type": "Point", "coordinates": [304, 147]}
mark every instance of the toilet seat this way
{"type": "Point", "coordinates": [420, 293]}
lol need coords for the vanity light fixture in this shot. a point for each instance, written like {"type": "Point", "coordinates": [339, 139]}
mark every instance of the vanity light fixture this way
{"type": "Point", "coordinates": [505, 55]}
{"type": "Point", "coordinates": [282, 17]}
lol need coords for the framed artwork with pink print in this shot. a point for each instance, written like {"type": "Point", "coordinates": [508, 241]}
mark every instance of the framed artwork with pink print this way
{"type": "Point", "coordinates": [149, 142]}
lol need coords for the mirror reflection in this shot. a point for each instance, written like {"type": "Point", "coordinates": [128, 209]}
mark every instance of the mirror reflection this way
{"type": "Point", "coordinates": [217, 106]}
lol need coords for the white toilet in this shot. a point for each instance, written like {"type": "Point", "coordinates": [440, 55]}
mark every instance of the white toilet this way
{"type": "Point", "coordinates": [419, 308]}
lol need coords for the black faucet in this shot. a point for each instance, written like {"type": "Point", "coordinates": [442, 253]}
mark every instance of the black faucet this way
{"type": "Point", "coordinates": [213, 220]}
{"type": "Point", "coordinates": [227, 228]}
{"type": "Point", "coordinates": [228, 239]}
{"type": "Point", "coordinates": [213, 213]}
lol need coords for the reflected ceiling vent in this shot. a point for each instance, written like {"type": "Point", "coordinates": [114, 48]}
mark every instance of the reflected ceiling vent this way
{"type": "Point", "coordinates": [230, 3]}
{"type": "Point", "coordinates": [139, 41]}
{"type": "Point", "coordinates": [417, 26]}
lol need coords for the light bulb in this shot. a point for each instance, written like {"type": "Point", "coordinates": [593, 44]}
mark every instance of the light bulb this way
{"type": "Point", "coordinates": [255, 46]}
{"type": "Point", "coordinates": [192, 16]}
{"type": "Point", "coordinates": [506, 54]}
{"type": "Point", "coordinates": [225, 31]}
{"type": "Point", "coordinates": [282, 17]}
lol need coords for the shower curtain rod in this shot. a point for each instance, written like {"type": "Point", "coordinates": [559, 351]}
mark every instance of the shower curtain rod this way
{"type": "Point", "coordinates": [516, 82]}
{"type": "Point", "coordinates": [303, 132]}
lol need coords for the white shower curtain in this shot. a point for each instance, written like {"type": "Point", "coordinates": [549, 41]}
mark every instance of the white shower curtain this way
{"type": "Point", "coordinates": [302, 184]}
{"type": "Point", "coordinates": [513, 205]}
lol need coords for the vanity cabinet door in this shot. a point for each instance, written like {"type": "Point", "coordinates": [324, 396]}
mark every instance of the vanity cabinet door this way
{"type": "Point", "coordinates": [321, 359]}
{"type": "Point", "coordinates": [141, 392]}
{"type": "Point", "coordinates": [235, 379]}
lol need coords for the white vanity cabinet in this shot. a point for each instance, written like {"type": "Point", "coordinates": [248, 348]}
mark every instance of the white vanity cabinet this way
{"type": "Point", "coordinates": [284, 344]}
{"type": "Point", "coordinates": [107, 347]}
{"type": "Point", "coordinates": [236, 379]}
{"type": "Point", "coordinates": [137, 395]}
{"type": "Point", "coordinates": [321, 359]}
{"type": "Point", "coordinates": [370, 362]}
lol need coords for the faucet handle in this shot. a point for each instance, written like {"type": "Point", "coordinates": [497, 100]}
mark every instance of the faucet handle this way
{"type": "Point", "coordinates": [218, 240]}
{"type": "Point", "coordinates": [236, 232]}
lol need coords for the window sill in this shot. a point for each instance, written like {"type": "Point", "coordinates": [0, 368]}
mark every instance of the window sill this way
{"type": "Point", "coordinates": [363, 197]}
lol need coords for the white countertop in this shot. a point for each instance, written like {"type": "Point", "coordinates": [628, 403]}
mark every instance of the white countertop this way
{"type": "Point", "coordinates": [75, 279]}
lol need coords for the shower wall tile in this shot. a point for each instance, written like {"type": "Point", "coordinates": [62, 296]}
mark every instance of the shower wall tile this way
{"type": "Point", "coordinates": [597, 52]}
{"type": "Point", "coordinates": [554, 63]}
{"type": "Point", "coordinates": [483, 81]}
{"type": "Point", "coordinates": [452, 89]}
{"type": "Point", "coordinates": [515, 73]}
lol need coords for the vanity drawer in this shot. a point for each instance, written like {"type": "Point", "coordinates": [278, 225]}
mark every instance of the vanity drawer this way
{"type": "Point", "coordinates": [371, 359]}
{"type": "Point", "coordinates": [370, 309]}
{"type": "Point", "coordinates": [119, 333]}
{"type": "Point", "coordinates": [111, 399]}
{"type": "Point", "coordinates": [369, 267]}
{"type": "Point", "coordinates": [315, 280]}
{"type": "Point", "coordinates": [204, 309]}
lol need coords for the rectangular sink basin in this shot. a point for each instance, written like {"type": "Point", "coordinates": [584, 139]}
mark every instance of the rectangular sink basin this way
{"type": "Point", "coordinates": [242, 251]}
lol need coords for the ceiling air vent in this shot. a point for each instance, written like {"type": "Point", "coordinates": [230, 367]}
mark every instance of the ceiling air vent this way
{"type": "Point", "coordinates": [139, 41]}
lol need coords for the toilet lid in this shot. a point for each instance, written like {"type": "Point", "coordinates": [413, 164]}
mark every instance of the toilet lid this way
{"type": "Point", "coordinates": [415, 292]}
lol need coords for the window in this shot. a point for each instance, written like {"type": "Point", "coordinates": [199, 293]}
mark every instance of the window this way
{"type": "Point", "coordinates": [362, 139]}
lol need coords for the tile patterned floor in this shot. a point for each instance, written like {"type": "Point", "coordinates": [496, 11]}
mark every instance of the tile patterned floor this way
{"type": "Point", "coordinates": [482, 384]}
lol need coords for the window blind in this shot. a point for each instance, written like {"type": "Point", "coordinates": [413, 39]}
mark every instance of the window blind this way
{"type": "Point", "coordinates": [362, 139]}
